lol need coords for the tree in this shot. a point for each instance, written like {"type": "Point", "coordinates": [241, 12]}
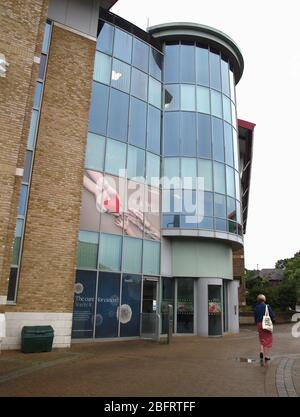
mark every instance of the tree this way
{"type": "Point", "coordinates": [292, 274]}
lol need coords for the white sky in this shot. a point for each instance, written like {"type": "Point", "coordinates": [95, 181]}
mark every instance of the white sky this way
{"type": "Point", "coordinates": [268, 34]}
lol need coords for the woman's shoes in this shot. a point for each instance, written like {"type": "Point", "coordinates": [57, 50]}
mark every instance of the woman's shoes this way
{"type": "Point", "coordinates": [267, 358]}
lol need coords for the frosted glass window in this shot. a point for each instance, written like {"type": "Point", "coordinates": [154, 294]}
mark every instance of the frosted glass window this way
{"type": "Point", "coordinates": [135, 162]}
{"type": "Point", "coordinates": [171, 134]}
{"type": "Point", "coordinates": [218, 141]}
{"type": "Point", "coordinates": [139, 82]}
{"type": "Point", "coordinates": [202, 69]}
{"type": "Point", "coordinates": [188, 99]}
{"type": "Point", "coordinates": [110, 252]}
{"type": "Point", "coordinates": [203, 103]}
{"type": "Point", "coordinates": [132, 255]}
{"type": "Point", "coordinates": [98, 108]}
{"type": "Point", "coordinates": [187, 63]}
{"type": "Point", "coordinates": [216, 103]}
{"type": "Point", "coordinates": [102, 68]}
{"type": "Point", "coordinates": [137, 122]}
{"type": "Point", "coordinates": [87, 249]}
{"type": "Point", "coordinates": [215, 71]}
{"type": "Point", "coordinates": [118, 115]}
{"type": "Point", "coordinates": [153, 129]}
{"type": "Point", "coordinates": [189, 172]}
{"type": "Point", "coordinates": [219, 178]}
{"type": "Point", "coordinates": [230, 181]}
{"type": "Point", "coordinates": [204, 143]}
{"type": "Point", "coordinates": [188, 133]}
{"type": "Point", "coordinates": [228, 144]}
{"type": "Point", "coordinates": [153, 169]}
{"type": "Point", "coordinates": [171, 97]}
{"type": "Point", "coordinates": [120, 75]}
{"type": "Point", "coordinates": [171, 60]}
{"type": "Point", "coordinates": [115, 157]}
{"type": "Point", "coordinates": [151, 257]}
{"type": "Point", "coordinates": [205, 172]}
{"type": "Point", "coordinates": [220, 206]}
{"type": "Point", "coordinates": [225, 77]}
{"type": "Point", "coordinates": [32, 129]}
{"type": "Point", "coordinates": [123, 45]}
{"type": "Point", "coordinates": [227, 109]}
{"type": "Point", "coordinates": [95, 150]}
{"type": "Point", "coordinates": [140, 54]}
{"type": "Point", "coordinates": [105, 37]}
{"type": "Point", "coordinates": [154, 92]}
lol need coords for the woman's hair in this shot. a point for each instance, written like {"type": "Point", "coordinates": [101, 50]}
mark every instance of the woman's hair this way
{"type": "Point", "coordinates": [261, 298]}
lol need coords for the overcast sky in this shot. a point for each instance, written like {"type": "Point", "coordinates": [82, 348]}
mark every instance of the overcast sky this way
{"type": "Point", "coordinates": [268, 34]}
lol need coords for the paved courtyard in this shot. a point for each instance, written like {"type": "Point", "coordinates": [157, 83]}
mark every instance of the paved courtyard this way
{"type": "Point", "coordinates": [189, 366]}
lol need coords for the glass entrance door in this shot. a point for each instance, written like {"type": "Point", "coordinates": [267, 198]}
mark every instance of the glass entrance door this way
{"type": "Point", "coordinates": [149, 296]}
{"type": "Point", "coordinates": [185, 305]}
{"type": "Point", "coordinates": [214, 310]}
{"type": "Point", "coordinates": [149, 320]}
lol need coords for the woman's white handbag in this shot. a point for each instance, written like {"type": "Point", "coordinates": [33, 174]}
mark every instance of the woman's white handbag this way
{"type": "Point", "coordinates": [266, 321]}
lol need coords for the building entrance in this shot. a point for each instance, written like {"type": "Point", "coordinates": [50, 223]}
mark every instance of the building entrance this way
{"type": "Point", "coordinates": [184, 305]}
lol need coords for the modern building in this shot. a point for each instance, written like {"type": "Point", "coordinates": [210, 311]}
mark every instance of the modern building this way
{"type": "Point", "coordinates": [124, 176]}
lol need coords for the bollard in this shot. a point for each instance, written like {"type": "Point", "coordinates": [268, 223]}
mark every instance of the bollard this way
{"type": "Point", "coordinates": [170, 323]}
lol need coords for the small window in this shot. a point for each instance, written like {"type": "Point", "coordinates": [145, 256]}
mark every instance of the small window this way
{"type": "Point", "coordinates": [87, 250]}
{"type": "Point", "coordinates": [23, 200]}
{"type": "Point", "coordinates": [102, 68]}
{"type": "Point", "coordinates": [32, 130]}
{"type": "Point", "coordinates": [17, 242]}
{"type": "Point", "coordinates": [27, 166]}
{"type": "Point", "coordinates": [37, 95]}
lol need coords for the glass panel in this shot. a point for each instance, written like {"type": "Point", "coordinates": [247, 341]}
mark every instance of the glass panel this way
{"type": "Point", "coordinates": [185, 305]}
{"type": "Point", "coordinates": [42, 66]}
{"type": "Point", "coordinates": [215, 71]}
{"type": "Point", "coordinates": [234, 117]}
{"type": "Point", "coordinates": [216, 103]}
{"type": "Point", "coordinates": [140, 55]}
{"type": "Point", "coordinates": [171, 134]}
{"type": "Point", "coordinates": [151, 257]}
{"type": "Point", "coordinates": [108, 300]}
{"type": "Point", "coordinates": [113, 200]}
{"type": "Point", "coordinates": [188, 99]}
{"type": "Point", "coordinates": [208, 204]}
{"type": "Point", "coordinates": [189, 172]}
{"type": "Point", "coordinates": [12, 284]}
{"type": "Point", "coordinates": [17, 242]}
{"type": "Point", "coordinates": [132, 255]}
{"type": "Point", "coordinates": [153, 169]}
{"type": "Point", "coordinates": [203, 103]}
{"type": "Point", "coordinates": [130, 309]}
{"type": "Point", "coordinates": [230, 181]}
{"type": "Point", "coordinates": [206, 223]}
{"type": "Point", "coordinates": [118, 115]}
{"type": "Point", "coordinates": [238, 212]}
{"type": "Point", "coordinates": [98, 109]}
{"type": "Point", "coordinates": [188, 134]}
{"type": "Point", "coordinates": [123, 45]}
{"type": "Point", "coordinates": [110, 252]}
{"type": "Point", "coordinates": [221, 225]}
{"type": "Point", "coordinates": [154, 92]}
{"type": "Point", "coordinates": [91, 201]}
{"type": "Point", "coordinates": [134, 215]}
{"type": "Point", "coordinates": [105, 37]}
{"type": "Point", "coordinates": [137, 124]}
{"type": "Point", "coordinates": [232, 86]}
{"type": "Point", "coordinates": [231, 209]}
{"type": "Point", "coordinates": [228, 144]}
{"type": "Point", "coordinates": [227, 109]}
{"type": "Point", "coordinates": [46, 38]}
{"type": "Point", "coordinates": [236, 151]}
{"type": "Point", "coordinates": [153, 129]}
{"type": "Point", "coordinates": [149, 304]}
{"type": "Point", "coordinates": [202, 73]}
{"type": "Point", "coordinates": [219, 178]}
{"type": "Point", "coordinates": [171, 64]}
{"type": "Point", "coordinates": [172, 97]}
{"type": "Point", "coordinates": [27, 166]}
{"type": "Point", "coordinates": [115, 157]}
{"type": "Point", "coordinates": [225, 77]}
{"type": "Point", "coordinates": [139, 82]}
{"type": "Point", "coordinates": [95, 149]}
{"type": "Point", "coordinates": [187, 63]}
{"type": "Point", "coordinates": [32, 129]}
{"type": "Point", "coordinates": [204, 145]}
{"type": "Point", "coordinates": [237, 186]}
{"type": "Point", "coordinates": [214, 310]}
{"type": "Point", "coordinates": [37, 95]}
{"type": "Point", "coordinates": [205, 172]}
{"type": "Point", "coordinates": [220, 206]}
{"type": "Point", "coordinates": [171, 171]}
{"type": "Point", "coordinates": [87, 250]}
{"type": "Point", "coordinates": [168, 296]}
{"type": "Point", "coordinates": [84, 304]}
{"type": "Point", "coordinates": [136, 163]}
{"type": "Point", "coordinates": [23, 200]}
{"type": "Point", "coordinates": [120, 75]}
{"type": "Point", "coordinates": [102, 68]}
{"type": "Point", "coordinates": [152, 214]}
{"type": "Point", "coordinates": [232, 227]}
{"type": "Point", "coordinates": [155, 67]}
{"type": "Point", "coordinates": [218, 142]}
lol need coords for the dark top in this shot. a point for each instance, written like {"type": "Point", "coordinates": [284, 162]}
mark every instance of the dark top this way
{"type": "Point", "coordinates": [259, 312]}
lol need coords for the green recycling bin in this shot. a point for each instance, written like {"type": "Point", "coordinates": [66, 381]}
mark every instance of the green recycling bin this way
{"type": "Point", "coordinates": [37, 339]}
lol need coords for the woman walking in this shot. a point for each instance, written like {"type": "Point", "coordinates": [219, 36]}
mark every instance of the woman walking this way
{"type": "Point", "coordinates": [265, 336]}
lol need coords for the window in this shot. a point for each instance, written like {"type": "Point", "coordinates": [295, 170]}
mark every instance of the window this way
{"type": "Point", "coordinates": [27, 166]}
{"type": "Point", "coordinates": [220, 206]}
{"type": "Point", "coordinates": [204, 145]}
{"type": "Point", "coordinates": [171, 97]}
{"type": "Point", "coordinates": [102, 68]}
{"type": "Point", "coordinates": [140, 55]}
{"type": "Point", "coordinates": [132, 255]}
{"type": "Point", "coordinates": [139, 82]}
{"type": "Point", "coordinates": [135, 162]}
{"type": "Point", "coordinates": [188, 134]}
{"type": "Point", "coordinates": [216, 103]}
{"type": "Point", "coordinates": [203, 102]}
{"type": "Point", "coordinates": [228, 144]}
{"type": "Point", "coordinates": [115, 157]}
{"type": "Point", "coordinates": [218, 142]}
{"type": "Point", "coordinates": [232, 85]}
{"type": "Point", "coordinates": [154, 92]}
{"type": "Point", "coordinates": [215, 71]}
{"type": "Point", "coordinates": [95, 150]}
{"type": "Point", "coordinates": [153, 169]}
{"type": "Point", "coordinates": [189, 172]}
{"type": "Point", "coordinates": [208, 204]}
{"type": "Point", "coordinates": [202, 73]}
{"type": "Point", "coordinates": [171, 63]}
{"type": "Point", "coordinates": [171, 168]}
{"type": "Point", "coordinates": [231, 208]}
{"type": "Point", "coordinates": [123, 46]}
{"type": "Point", "coordinates": [98, 109]}
{"type": "Point", "coordinates": [219, 178]}
{"type": "Point", "coordinates": [12, 284]}
{"type": "Point", "coordinates": [47, 34]}
{"type": "Point", "coordinates": [238, 212]}
{"type": "Point", "coordinates": [225, 77]}
{"type": "Point", "coordinates": [233, 114]}
{"type": "Point", "coordinates": [205, 172]}
{"type": "Point", "coordinates": [171, 134]}
{"type": "Point", "coordinates": [188, 98]}
{"type": "Point", "coordinates": [118, 115]}
{"type": "Point", "coordinates": [110, 252]}
{"type": "Point", "coordinates": [105, 37]}
{"type": "Point", "coordinates": [23, 200]}
{"type": "Point", "coordinates": [32, 129]}
{"type": "Point", "coordinates": [87, 250]}
{"type": "Point", "coordinates": [187, 63]}
{"type": "Point", "coordinates": [236, 150]}
{"type": "Point", "coordinates": [120, 75]}
{"type": "Point", "coordinates": [42, 66]}
{"type": "Point", "coordinates": [137, 122]}
{"type": "Point", "coordinates": [237, 185]}
{"type": "Point", "coordinates": [17, 242]}
{"type": "Point", "coordinates": [153, 129]}
{"type": "Point", "coordinates": [151, 257]}
{"type": "Point", "coordinates": [227, 109]}
{"type": "Point", "coordinates": [221, 225]}
{"type": "Point", "coordinates": [37, 95]}
{"type": "Point", "coordinates": [155, 65]}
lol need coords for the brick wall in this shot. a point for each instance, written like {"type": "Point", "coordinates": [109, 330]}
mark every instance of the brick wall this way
{"type": "Point", "coordinates": [238, 273]}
